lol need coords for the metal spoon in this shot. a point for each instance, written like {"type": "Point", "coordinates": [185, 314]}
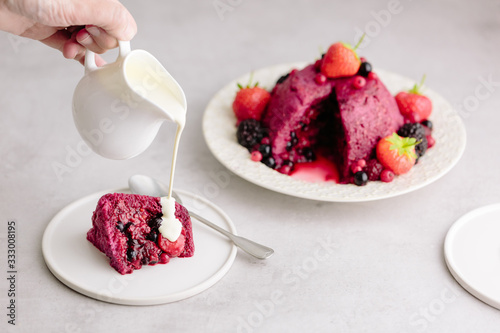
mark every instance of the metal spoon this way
{"type": "Point", "coordinates": [145, 185]}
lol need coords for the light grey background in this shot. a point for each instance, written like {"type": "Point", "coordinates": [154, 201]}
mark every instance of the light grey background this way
{"type": "Point", "coordinates": [385, 271]}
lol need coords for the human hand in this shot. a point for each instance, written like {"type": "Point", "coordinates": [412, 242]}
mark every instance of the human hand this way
{"type": "Point", "coordinates": [70, 26]}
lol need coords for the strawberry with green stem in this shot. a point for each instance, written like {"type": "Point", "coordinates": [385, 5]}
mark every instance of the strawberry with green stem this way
{"type": "Point", "coordinates": [396, 153]}
{"type": "Point", "coordinates": [250, 101]}
{"type": "Point", "coordinates": [341, 60]}
{"type": "Point", "coordinates": [413, 105]}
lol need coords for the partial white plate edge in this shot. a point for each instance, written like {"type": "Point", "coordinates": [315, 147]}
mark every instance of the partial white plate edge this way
{"type": "Point", "coordinates": [135, 302]}
{"type": "Point", "coordinates": [452, 265]}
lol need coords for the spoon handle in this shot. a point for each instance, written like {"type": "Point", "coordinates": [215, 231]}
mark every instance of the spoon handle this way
{"type": "Point", "coordinates": [255, 249]}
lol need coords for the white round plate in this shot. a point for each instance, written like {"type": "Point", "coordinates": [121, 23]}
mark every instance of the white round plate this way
{"type": "Point", "coordinates": [219, 129]}
{"type": "Point", "coordinates": [82, 267]}
{"type": "Point", "coordinates": [472, 253]}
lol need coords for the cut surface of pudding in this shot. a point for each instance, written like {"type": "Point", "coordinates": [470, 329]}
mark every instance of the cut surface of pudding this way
{"type": "Point", "coordinates": [125, 228]}
{"type": "Point", "coordinates": [336, 118]}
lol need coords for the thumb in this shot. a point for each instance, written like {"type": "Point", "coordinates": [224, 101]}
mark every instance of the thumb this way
{"type": "Point", "coordinates": [109, 15]}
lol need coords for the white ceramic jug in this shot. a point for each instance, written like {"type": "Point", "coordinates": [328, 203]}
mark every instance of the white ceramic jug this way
{"type": "Point", "coordinates": [119, 108]}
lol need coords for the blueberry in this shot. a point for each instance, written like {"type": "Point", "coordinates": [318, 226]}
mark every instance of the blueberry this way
{"type": "Point", "coordinates": [120, 226]}
{"type": "Point", "coordinates": [427, 123]}
{"type": "Point", "coordinates": [283, 78]}
{"type": "Point", "coordinates": [308, 154]}
{"type": "Point", "coordinates": [364, 69]}
{"type": "Point", "coordinates": [270, 162]}
{"type": "Point", "coordinates": [152, 236]}
{"type": "Point", "coordinates": [131, 254]}
{"type": "Point", "coordinates": [155, 222]}
{"type": "Point", "coordinates": [360, 178]}
{"type": "Point", "coordinates": [133, 243]}
{"type": "Point", "coordinates": [127, 226]}
{"type": "Point", "coordinates": [265, 150]}
{"type": "Point", "coordinates": [289, 145]}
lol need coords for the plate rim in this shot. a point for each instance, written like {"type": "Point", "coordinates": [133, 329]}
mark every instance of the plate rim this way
{"type": "Point", "coordinates": [451, 263]}
{"type": "Point", "coordinates": [231, 86]}
{"type": "Point", "coordinates": [134, 301]}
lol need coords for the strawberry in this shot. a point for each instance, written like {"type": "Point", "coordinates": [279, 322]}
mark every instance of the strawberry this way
{"type": "Point", "coordinates": [413, 105]}
{"type": "Point", "coordinates": [396, 153]}
{"type": "Point", "coordinates": [341, 60]}
{"type": "Point", "coordinates": [173, 249]}
{"type": "Point", "coordinates": [250, 102]}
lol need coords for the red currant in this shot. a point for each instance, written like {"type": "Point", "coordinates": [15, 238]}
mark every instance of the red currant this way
{"type": "Point", "coordinates": [387, 176]}
{"type": "Point", "coordinates": [356, 168]}
{"type": "Point", "coordinates": [430, 141]}
{"type": "Point", "coordinates": [359, 82]}
{"type": "Point", "coordinates": [320, 78]}
{"type": "Point", "coordinates": [256, 156]}
{"type": "Point", "coordinates": [372, 76]}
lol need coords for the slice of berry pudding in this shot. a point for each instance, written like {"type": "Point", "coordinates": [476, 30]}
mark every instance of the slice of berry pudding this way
{"type": "Point", "coordinates": [135, 230]}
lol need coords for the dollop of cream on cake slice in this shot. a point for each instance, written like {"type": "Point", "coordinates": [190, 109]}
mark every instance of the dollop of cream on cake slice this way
{"type": "Point", "coordinates": [170, 227]}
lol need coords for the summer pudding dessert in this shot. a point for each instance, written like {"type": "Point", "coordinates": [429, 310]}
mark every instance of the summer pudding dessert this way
{"type": "Point", "coordinates": [135, 230]}
{"type": "Point", "coordinates": [334, 114]}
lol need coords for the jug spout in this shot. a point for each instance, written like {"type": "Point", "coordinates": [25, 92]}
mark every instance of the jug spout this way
{"type": "Point", "coordinates": [153, 84]}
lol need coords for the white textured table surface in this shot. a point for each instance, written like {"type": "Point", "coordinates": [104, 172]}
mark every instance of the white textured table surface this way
{"type": "Point", "coordinates": [338, 267]}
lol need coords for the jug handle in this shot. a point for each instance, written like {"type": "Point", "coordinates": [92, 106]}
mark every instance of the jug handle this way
{"type": "Point", "coordinates": [90, 65]}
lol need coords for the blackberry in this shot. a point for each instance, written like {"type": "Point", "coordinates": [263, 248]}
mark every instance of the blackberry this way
{"type": "Point", "coordinates": [417, 131]}
{"type": "Point", "coordinates": [249, 133]}
{"type": "Point", "coordinates": [283, 78]}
